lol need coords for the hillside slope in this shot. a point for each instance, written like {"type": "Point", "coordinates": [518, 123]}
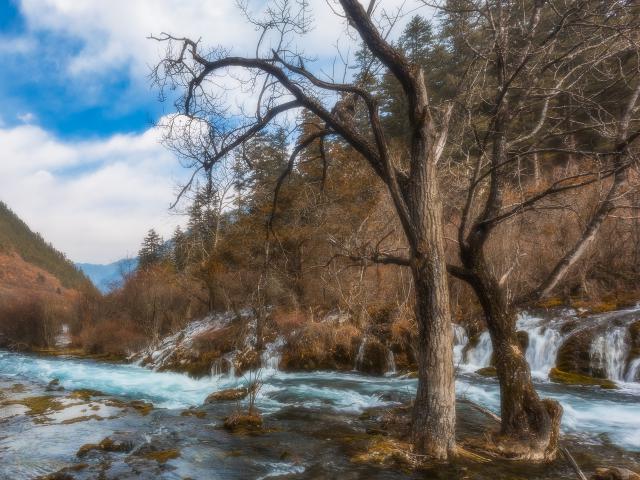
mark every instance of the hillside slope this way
{"type": "Point", "coordinates": [28, 262]}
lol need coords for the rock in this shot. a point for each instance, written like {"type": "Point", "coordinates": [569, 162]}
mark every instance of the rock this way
{"type": "Point", "coordinates": [614, 473]}
{"type": "Point", "coordinates": [574, 355]}
{"type": "Point", "coordinates": [374, 359]}
{"type": "Point", "coordinates": [569, 378]}
{"type": "Point", "coordinates": [230, 394]}
{"type": "Point", "coordinates": [54, 386]}
{"type": "Point", "coordinates": [487, 372]}
{"type": "Point", "coordinates": [108, 444]}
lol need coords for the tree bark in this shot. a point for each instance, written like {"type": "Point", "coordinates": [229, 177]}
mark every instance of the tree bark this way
{"type": "Point", "coordinates": [434, 415]}
{"type": "Point", "coordinates": [530, 426]}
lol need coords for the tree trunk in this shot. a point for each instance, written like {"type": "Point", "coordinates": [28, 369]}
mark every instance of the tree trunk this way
{"type": "Point", "coordinates": [530, 426]}
{"type": "Point", "coordinates": [434, 414]}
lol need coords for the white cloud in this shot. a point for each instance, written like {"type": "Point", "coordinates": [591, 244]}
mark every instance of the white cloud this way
{"type": "Point", "coordinates": [94, 200]}
{"type": "Point", "coordinates": [114, 34]}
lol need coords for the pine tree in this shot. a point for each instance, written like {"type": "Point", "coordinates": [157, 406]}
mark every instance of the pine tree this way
{"type": "Point", "coordinates": [152, 250]}
{"type": "Point", "coordinates": [180, 253]}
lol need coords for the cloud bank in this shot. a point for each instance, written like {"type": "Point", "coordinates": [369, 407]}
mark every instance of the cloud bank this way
{"type": "Point", "coordinates": [93, 199]}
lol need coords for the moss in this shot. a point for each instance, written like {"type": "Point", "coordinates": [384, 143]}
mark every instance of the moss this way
{"type": "Point", "coordinates": [553, 302]}
{"type": "Point", "coordinates": [86, 418]}
{"type": "Point", "coordinates": [567, 378]}
{"type": "Point", "coordinates": [162, 456]}
{"type": "Point", "coordinates": [194, 413]}
{"type": "Point", "coordinates": [487, 372]}
{"type": "Point", "coordinates": [37, 405]}
{"type": "Point", "coordinates": [86, 394]}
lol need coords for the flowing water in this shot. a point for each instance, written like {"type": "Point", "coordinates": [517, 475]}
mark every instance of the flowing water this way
{"type": "Point", "coordinates": [312, 418]}
{"type": "Point", "coordinates": [303, 404]}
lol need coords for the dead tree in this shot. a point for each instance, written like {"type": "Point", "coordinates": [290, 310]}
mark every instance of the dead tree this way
{"type": "Point", "coordinates": [533, 56]}
{"type": "Point", "coordinates": [283, 83]}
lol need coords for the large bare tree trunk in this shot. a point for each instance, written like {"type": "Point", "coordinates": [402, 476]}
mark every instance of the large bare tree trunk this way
{"type": "Point", "coordinates": [434, 414]}
{"type": "Point", "coordinates": [530, 426]}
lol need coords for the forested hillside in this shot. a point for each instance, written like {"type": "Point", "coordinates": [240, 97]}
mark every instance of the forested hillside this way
{"type": "Point", "coordinates": [17, 237]}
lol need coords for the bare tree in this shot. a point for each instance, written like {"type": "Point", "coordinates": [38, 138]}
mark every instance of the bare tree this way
{"type": "Point", "coordinates": [283, 83]}
{"type": "Point", "coordinates": [530, 58]}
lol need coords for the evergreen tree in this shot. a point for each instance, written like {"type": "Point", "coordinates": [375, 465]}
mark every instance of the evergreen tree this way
{"type": "Point", "coordinates": [151, 251]}
{"type": "Point", "coordinates": [180, 253]}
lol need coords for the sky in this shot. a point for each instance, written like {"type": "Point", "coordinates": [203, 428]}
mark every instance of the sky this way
{"type": "Point", "coordinates": [80, 158]}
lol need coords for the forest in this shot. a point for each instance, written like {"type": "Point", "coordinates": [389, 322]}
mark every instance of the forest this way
{"type": "Point", "coordinates": [401, 216]}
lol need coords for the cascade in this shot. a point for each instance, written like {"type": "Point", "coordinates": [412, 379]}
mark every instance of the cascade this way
{"type": "Point", "coordinates": [480, 355]}
{"type": "Point", "coordinates": [544, 342]}
{"type": "Point", "coordinates": [460, 340]}
{"type": "Point", "coordinates": [360, 354]}
{"type": "Point", "coordinates": [272, 354]}
{"type": "Point", "coordinates": [391, 363]}
{"type": "Point", "coordinates": [609, 352]}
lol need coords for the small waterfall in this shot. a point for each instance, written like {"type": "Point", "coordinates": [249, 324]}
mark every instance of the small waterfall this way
{"type": "Point", "coordinates": [480, 355]}
{"type": "Point", "coordinates": [460, 340]}
{"type": "Point", "coordinates": [633, 372]}
{"type": "Point", "coordinates": [609, 353]}
{"type": "Point", "coordinates": [544, 343]}
{"type": "Point", "coordinates": [272, 354]}
{"type": "Point", "coordinates": [224, 366]}
{"type": "Point", "coordinates": [360, 354]}
{"type": "Point", "coordinates": [391, 363]}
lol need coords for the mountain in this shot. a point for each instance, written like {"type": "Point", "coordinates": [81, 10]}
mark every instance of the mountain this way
{"type": "Point", "coordinates": [106, 277]}
{"type": "Point", "coordinates": [29, 265]}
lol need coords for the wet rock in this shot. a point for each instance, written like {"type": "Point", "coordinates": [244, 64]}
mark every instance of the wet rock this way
{"type": "Point", "coordinates": [116, 444]}
{"type": "Point", "coordinates": [374, 358]}
{"type": "Point", "coordinates": [614, 473]}
{"type": "Point", "coordinates": [569, 378]}
{"type": "Point", "coordinates": [56, 476]}
{"type": "Point", "coordinates": [143, 408]}
{"type": "Point", "coordinates": [54, 386]}
{"type": "Point", "coordinates": [230, 394]}
{"type": "Point", "coordinates": [574, 356]}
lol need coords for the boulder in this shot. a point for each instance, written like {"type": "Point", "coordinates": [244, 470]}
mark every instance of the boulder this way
{"type": "Point", "coordinates": [574, 356]}
{"type": "Point", "coordinates": [374, 358]}
{"type": "Point", "coordinates": [228, 395]}
{"type": "Point", "coordinates": [614, 473]}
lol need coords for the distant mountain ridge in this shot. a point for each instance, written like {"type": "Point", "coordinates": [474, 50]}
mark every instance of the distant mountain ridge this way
{"type": "Point", "coordinates": [26, 255]}
{"type": "Point", "coordinates": [109, 276]}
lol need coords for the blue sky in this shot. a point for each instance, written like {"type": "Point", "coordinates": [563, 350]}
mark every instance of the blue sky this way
{"type": "Point", "coordinates": [37, 84]}
{"type": "Point", "coordinates": [80, 160]}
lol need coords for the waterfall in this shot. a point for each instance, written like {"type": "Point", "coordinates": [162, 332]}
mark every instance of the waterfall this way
{"type": "Point", "coordinates": [633, 372]}
{"type": "Point", "coordinates": [609, 353]}
{"type": "Point", "coordinates": [480, 355]}
{"type": "Point", "coordinates": [272, 354]}
{"type": "Point", "coordinates": [544, 343]}
{"type": "Point", "coordinates": [224, 365]}
{"type": "Point", "coordinates": [360, 354]}
{"type": "Point", "coordinates": [460, 340]}
{"type": "Point", "coordinates": [391, 363]}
